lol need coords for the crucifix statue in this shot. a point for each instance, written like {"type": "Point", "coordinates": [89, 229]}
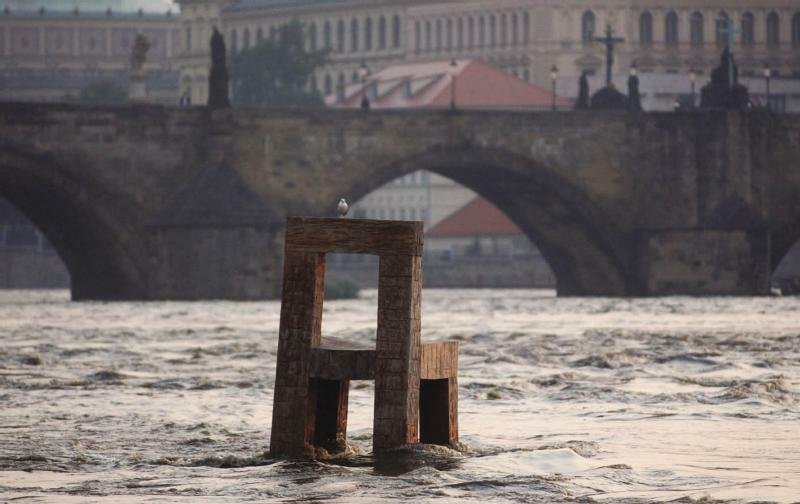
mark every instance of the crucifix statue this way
{"type": "Point", "coordinates": [609, 40]}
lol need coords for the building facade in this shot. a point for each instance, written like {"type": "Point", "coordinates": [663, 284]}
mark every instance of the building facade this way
{"type": "Point", "coordinates": [51, 49]}
{"type": "Point", "coordinates": [524, 37]}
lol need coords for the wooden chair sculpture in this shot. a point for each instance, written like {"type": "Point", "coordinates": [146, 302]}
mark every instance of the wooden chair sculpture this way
{"type": "Point", "coordinates": [416, 392]}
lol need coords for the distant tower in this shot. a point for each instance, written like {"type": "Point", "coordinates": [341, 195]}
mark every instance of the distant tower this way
{"type": "Point", "coordinates": [198, 19]}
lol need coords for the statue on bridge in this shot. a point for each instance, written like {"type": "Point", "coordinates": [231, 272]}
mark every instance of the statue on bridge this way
{"type": "Point", "coordinates": [218, 77]}
{"type": "Point", "coordinates": [136, 85]}
{"type": "Point", "coordinates": [583, 92]}
{"type": "Point", "coordinates": [634, 100]}
{"type": "Point", "coordinates": [724, 90]}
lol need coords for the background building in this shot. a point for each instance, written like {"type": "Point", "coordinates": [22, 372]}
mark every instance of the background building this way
{"type": "Point", "coordinates": [51, 49]}
{"type": "Point", "coordinates": [465, 84]}
{"type": "Point", "coordinates": [479, 246]}
{"type": "Point", "coordinates": [522, 37]}
{"type": "Point", "coordinates": [452, 214]}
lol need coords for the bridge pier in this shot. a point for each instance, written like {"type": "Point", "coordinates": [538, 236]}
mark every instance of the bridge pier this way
{"type": "Point", "coordinates": [702, 262]}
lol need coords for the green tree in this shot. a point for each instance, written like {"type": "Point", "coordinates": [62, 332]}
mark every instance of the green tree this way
{"type": "Point", "coordinates": [277, 72]}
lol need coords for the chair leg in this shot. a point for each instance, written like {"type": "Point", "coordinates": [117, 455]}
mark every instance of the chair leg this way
{"type": "Point", "coordinates": [330, 423]}
{"type": "Point", "coordinates": [438, 411]}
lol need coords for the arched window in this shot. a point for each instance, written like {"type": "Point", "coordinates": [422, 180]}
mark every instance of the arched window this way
{"type": "Point", "coordinates": [526, 28]}
{"type": "Point", "coordinates": [646, 28]}
{"type": "Point", "coordinates": [273, 33]}
{"type": "Point", "coordinates": [396, 29]}
{"type": "Point", "coordinates": [246, 39]}
{"type": "Point", "coordinates": [368, 34]}
{"type": "Point", "coordinates": [773, 29]}
{"type": "Point", "coordinates": [514, 29]}
{"type": "Point", "coordinates": [340, 36]}
{"type": "Point", "coordinates": [796, 29]}
{"type": "Point", "coordinates": [748, 29]}
{"type": "Point", "coordinates": [354, 77]}
{"type": "Point", "coordinates": [381, 33]}
{"type": "Point", "coordinates": [492, 31]}
{"type": "Point", "coordinates": [313, 84]}
{"type": "Point", "coordinates": [449, 39]}
{"type": "Point", "coordinates": [503, 30]}
{"type": "Point", "coordinates": [722, 29]}
{"type": "Point", "coordinates": [328, 84]}
{"type": "Point", "coordinates": [312, 36]}
{"type": "Point", "coordinates": [417, 36]}
{"type": "Point", "coordinates": [696, 36]}
{"type": "Point", "coordinates": [326, 35]}
{"type": "Point", "coordinates": [439, 34]}
{"type": "Point", "coordinates": [428, 36]}
{"type": "Point", "coordinates": [234, 42]}
{"type": "Point", "coordinates": [259, 35]}
{"type": "Point", "coordinates": [354, 35]}
{"type": "Point", "coordinates": [587, 27]}
{"type": "Point", "coordinates": [460, 34]}
{"type": "Point", "coordinates": [481, 32]}
{"type": "Point", "coordinates": [671, 29]}
{"type": "Point", "coordinates": [471, 33]}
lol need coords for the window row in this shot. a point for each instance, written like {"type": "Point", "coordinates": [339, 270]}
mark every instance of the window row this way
{"type": "Point", "coordinates": [398, 214]}
{"type": "Point", "coordinates": [367, 36]}
{"type": "Point", "coordinates": [235, 44]}
{"type": "Point", "coordinates": [724, 31]}
{"type": "Point", "coordinates": [469, 32]}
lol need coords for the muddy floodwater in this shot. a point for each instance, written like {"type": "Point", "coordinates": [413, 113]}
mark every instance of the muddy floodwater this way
{"type": "Point", "coordinates": [561, 400]}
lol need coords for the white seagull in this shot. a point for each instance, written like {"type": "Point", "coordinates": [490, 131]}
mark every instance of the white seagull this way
{"type": "Point", "coordinates": [342, 207]}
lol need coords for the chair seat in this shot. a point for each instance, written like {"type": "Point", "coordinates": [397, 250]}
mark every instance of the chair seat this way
{"type": "Point", "coordinates": [338, 359]}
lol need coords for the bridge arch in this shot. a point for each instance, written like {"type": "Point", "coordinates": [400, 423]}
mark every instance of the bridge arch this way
{"type": "Point", "coordinates": [580, 243]}
{"type": "Point", "coordinates": [85, 223]}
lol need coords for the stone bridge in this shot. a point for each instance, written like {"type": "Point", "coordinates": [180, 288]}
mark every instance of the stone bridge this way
{"type": "Point", "coordinates": [147, 202]}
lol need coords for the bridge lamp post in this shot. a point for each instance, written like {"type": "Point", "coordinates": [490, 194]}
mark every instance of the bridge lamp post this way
{"type": "Point", "coordinates": [553, 78]}
{"type": "Point", "coordinates": [767, 78]}
{"type": "Point", "coordinates": [692, 80]}
{"type": "Point", "coordinates": [363, 72]}
{"type": "Point", "coordinates": [453, 71]}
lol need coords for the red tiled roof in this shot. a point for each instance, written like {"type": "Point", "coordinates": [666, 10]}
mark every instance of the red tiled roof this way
{"type": "Point", "coordinates": [478, 85]}
{"type": "Point", "coordinates": [478, 217]}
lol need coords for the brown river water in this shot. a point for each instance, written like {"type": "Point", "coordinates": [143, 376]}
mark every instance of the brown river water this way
{"type": "Point", "coordinates": [561, 400]}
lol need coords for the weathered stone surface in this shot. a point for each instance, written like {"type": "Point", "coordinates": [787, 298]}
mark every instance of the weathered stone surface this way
{"type": "Point", "coordinates": [704, 262]}
{"type": "Point", "coordinates": [581, 185]}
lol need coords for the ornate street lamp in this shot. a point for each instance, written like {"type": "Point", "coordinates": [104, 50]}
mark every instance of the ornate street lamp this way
{"type": "Point", "coordinates": [363, 72]}
{"type": "Point", "coordinates": [767, 77]}
{"type": "Point", "coordinates": [453, 71]}
{"type": "Point", "coordinates": [693, 80]}
{"type": "Point", "coordinates": [553, 78]}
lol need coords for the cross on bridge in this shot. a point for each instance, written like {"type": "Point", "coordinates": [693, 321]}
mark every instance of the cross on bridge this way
{"type": "Point", "coordinates": [610, 41]}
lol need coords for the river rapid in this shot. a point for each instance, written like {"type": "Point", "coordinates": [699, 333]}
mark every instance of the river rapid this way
{"type": "Point", "coordinates": [561, 400]}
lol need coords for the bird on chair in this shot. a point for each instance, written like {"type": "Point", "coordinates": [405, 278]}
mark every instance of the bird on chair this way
{"type": "Point", "coordinates": [342, 207]}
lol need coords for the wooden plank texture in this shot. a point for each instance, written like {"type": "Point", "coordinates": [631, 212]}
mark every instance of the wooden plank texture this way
{"type": "Point", "coordinates": [416, 385]}
{"type": "Point", "coordinates": [439, 360]}
{"type": "Point", "coordinates": [355, 236]}
{"type": "Point", "coordinates": [300, 330]}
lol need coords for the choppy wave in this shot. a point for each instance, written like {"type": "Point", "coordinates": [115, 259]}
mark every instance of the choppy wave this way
{"type": "Point", "coordinates": [561, 400]}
